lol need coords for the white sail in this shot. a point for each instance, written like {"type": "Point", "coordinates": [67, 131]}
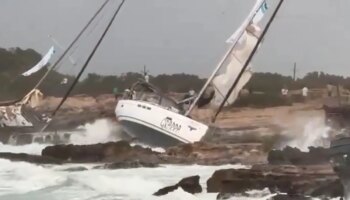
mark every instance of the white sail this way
{"type": "Point", "coordinates": [244, 40]}
{"type": "Point", "coordinates": [44, 61]}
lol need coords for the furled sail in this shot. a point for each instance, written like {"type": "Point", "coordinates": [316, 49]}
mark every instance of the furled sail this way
{"type": "Point", "coordinates": [244, 40]}
{"type": "Point", "coordinates": [44, 61]}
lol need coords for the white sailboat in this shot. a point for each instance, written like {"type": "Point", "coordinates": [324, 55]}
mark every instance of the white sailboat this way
{"type": "Point", "coordinates": [151, 117]}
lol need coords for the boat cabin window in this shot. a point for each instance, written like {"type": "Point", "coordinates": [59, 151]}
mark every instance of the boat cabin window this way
{"type": "Point", "coordinates": [146, 92]}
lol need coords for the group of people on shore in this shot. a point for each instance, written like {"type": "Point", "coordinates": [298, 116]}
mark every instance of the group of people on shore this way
{"type": "Point", "coordinates": [304, 91]}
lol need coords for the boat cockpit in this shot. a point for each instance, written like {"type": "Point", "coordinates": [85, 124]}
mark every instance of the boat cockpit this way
{"type": "Point", "coordinates": [144, 91]}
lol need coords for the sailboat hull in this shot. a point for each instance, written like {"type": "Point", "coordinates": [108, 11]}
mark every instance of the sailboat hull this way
{"type": "Point", "coordinates": [147, 135]}
{"type": "Point", "coordinates": [156, 126]}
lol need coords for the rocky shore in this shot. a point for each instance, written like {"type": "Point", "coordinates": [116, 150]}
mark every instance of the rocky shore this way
{"type": "Point", "coordinates": [289, 171]}
{"type": "Point", "coordinates": [122, 152]}
{"type": "Point", "coordinates": [246, 136]}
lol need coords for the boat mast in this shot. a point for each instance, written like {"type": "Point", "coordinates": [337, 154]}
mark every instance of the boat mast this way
{"type": "Point", "coordinates": [248, 60]}
{"type": "Point", "coordinates": [71, 45]}
{"type": "Point", "coordinates": [86, 62]}
{"type": "Point", "coordinates": [220, 65]}
{"type": "Point", "coordinates": [61, 57]}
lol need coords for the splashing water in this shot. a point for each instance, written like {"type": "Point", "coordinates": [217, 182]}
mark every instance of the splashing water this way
{"type": "Point", "coordinates": [23, 177]}
{"type": "Point", "coordinates": [156, 149]}
{"type": "Point", "coordinates": [34, 148]}
{"type": "Point", "coordinates": [28, 181]}
{"type": "Point", "coordinates": [100, 131]}
{"type": "Point", "coordinates": [314, 133]}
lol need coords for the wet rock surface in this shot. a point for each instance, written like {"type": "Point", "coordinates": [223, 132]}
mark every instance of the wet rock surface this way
{"type": "Point", "coordinates": [75, 169]}
{"type": "Point", "coordinates": [128, 164]}
{"type": "Point", "coordinates": [107, 152]}
{"type": "Point", "coordinates": [122, 152]}
{"type": "Point", "coordinates": [290, 171]}
{"type": "Point", "coordinates": [293, 156]}
{"type": "Point", "coordinates": [215, 154]}
{"type": "Point", "coordinates": [290, 197]}
{"type": "Point", "coordinates": [316, 181]}
{"type": "Point", "coordinates": [189, 184]}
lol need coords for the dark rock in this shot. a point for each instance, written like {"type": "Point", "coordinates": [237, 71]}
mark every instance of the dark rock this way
{"type": "Point", "coordinates": [197, 153]}
{"type": "Point", "coordinates": [30, 158]}
{"type": "Point", "coordinates": [293, 180]}
{"type": "Point", "coordinates": [128, 164]}
{"type": "Point", "coordinates": [214, 154]}
{"type": "Point", "coordinates": [108, 152]}
{"type": "Point", "coordinates": [329, 189]}
{"type": "Point", "coordinates": [290, 197]}
{"type": "Point", "coordinates": [226, 196]}
{"type": "Point", "coordinates": [293, 156]}
{"type": "Point", "coordinates": [75, 169]}
{"type": "Point", "coordinates": [166, 190]}
{"type": "Point", "coordinates": [189, 184]}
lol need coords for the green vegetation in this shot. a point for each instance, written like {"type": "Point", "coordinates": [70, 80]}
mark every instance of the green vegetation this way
{"type": "Point", "coordinates": [15, 61]}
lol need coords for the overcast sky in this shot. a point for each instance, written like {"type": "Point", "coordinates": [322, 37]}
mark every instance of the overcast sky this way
{"type": "Point", "coordinates": [175, 36]}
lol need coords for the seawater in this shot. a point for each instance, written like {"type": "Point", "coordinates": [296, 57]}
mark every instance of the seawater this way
{"type": "Point", "coordinates": [20, 180]}
{"type": "Point", "coordinates": [25, 181]}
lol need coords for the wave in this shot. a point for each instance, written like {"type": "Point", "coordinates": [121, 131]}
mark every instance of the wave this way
{"type": "Point", "coordinates": [308, 132]}
{"type": "Point", "coordinates": [21, 177]}
{"type": "Point", "coordinates": [34, 148]}
{"type": "Point", "coordinates": [100, 131]}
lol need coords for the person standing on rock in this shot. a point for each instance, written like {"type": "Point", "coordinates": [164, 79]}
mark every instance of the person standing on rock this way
{"type": "Point", "coordinates": [330, 90]}
{"type": "Point", "coordinates": [284, 91]}
{"type": "Point", "coordinates": [115, 93]}
{"type": "Point", "coordinates": [146, 77]}
{"type": "Point", "coordinates": [305, 92]}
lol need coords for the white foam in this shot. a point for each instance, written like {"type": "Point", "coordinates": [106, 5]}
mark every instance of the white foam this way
{"type": "Point", "coordinates": [16, 179]}
{"type": "Point", "coordinates": [314, 133]}
{"type": "Point", "coordinates": [100, 131]}
{"type": "Point", "coordinates": [156, 149]}
{"type": "Point", "coordinates": [20, 177]}
{"type": "Point", "coordinates": [180, 194]}
{"type": "Point", "coordinates": [264, 194]}
{"type": "Point", "coordinates": [143, 182]}
{"type": "Point", "coordinates": [34, 148]}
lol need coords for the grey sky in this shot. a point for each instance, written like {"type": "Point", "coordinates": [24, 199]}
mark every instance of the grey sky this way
{"type": "Point", "coordinates": [174, 36]}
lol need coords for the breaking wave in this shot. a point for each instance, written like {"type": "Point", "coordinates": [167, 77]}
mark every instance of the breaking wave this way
{"type": "Point", "coordinates": [311, 132]}
{"type": "Point", "coordinates": [27, 181]}
{"type": "Point", "coordinates": [100, 131]}
{"type": "Point", "coordinates": [33, 148]}
{"type": "Point", "coordinates": [21, 177]}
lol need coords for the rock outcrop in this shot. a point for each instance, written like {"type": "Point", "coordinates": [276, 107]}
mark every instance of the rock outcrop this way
{"type": "Point", "coordinates": [75, 169]}
{"type": "Point", "coordinates": [128, 164]}
{"type": "Point", "coordinates": [189, 184]}
{"type": "Point", "coordinates": [293, 180]}
{"type": "Point", "coordinates": [120, 151]}
{"type": "Point", "coordinates": [293, 156]}
{"type": "Point", "coordinates": [215, 154]}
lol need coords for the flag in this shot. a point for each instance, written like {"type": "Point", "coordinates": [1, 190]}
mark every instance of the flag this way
{"type": "Point", "coordinates": [44, 61]}
{"type": "Point", "coordinates": [260, 13]}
